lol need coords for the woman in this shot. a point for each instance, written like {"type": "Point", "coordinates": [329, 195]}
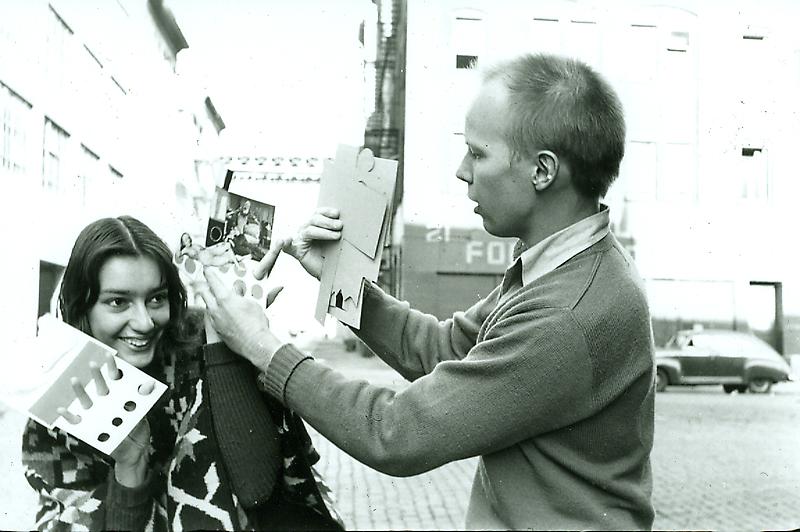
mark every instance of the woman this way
{"type": "Point", "coordinates": [121, 287]}
{"type": "Point", "coordinates": [187, 247]}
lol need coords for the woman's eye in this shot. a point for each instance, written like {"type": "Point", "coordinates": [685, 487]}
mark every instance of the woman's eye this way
{"type": "Point", "coordinates": [116, 302]}
{"type": "Point", "coordinates": [159, 299]}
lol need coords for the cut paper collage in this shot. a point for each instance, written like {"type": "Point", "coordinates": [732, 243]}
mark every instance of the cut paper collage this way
{"type": "Point", "coordinates": [361, 186]}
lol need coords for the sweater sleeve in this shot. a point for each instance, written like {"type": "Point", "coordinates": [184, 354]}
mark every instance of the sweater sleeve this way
{"type": "Point", "coordinates": [530, 375]}
{"type": "Point", "coordinates": [77, 488]}
{"type": "Point", "coordinates": [413, 342]}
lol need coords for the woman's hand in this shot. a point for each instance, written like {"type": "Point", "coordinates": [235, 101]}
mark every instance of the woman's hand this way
{"type": "Point", "coordinates": [132, 455]}
{"type": "Point", "coordinates": [308, 244]}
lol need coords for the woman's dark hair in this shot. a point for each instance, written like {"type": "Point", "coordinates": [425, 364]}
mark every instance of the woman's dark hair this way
{"type": "Point", "coordinates": [121, 237]}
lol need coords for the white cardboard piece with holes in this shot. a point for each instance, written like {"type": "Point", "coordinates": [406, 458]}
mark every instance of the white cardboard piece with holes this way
{"type": "Point", "coordinates": [239, 277]}
{"type": "Point", "coordinates": [41, 383]}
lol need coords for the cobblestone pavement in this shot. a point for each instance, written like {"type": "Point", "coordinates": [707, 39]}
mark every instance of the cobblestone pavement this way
{"type": "Point", "coordinates": [720, 462]}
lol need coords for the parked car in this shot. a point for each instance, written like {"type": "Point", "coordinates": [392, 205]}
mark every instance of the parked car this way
{"type": "Point", "coordinates": [736, 360]}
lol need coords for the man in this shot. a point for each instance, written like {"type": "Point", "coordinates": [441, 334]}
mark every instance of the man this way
{"type": "Point", "coordinates": [244, 231]}
{"type": "Point", "coordinates": [549, 379]}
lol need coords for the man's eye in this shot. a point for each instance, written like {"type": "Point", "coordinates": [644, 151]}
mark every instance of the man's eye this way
{"type": "Point", "coordinates": [474, 154]}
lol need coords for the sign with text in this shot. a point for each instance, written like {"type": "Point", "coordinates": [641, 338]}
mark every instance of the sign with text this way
{"type": "Point", "coordinates": [458, 250]}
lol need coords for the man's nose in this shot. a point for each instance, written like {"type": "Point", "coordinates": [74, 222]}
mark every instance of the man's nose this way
{"type": "Point", "coordinates": [464, 171]}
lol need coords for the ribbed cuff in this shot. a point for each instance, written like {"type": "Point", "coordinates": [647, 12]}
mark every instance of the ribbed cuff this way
{"type": "Point", "coordinates": [280, 370]}
{"type": "Point", "coordinates": [128, 508]}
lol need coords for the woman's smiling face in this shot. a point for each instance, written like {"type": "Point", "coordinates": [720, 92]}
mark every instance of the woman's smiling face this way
{"type": "Point", "coordinates": [132, 308]}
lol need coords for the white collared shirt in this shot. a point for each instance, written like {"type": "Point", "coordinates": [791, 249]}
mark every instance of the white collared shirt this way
{"type": "Point", "coordinates": [559, 247]}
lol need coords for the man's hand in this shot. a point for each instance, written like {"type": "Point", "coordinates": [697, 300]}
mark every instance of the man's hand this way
{"type": "Point", "coordinates": [239, 321]}
{"type": "Point", "coordinates": [308, 244]}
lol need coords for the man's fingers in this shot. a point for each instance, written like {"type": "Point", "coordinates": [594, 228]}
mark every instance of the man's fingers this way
{"type": "Point", "coordinates": [330, 212]}
{"type": "Point", "coordinates": [265, 265]}
{"type": "Point", "coordinates": [204, 293]}
{"type": "Point", "coordinates": [216, 285]}
{"type": "Point", "coordinates": [325, 222]}
{"type": "Point", "coordinates": [273, 294]}
{"type": "Point", "coordinates": [311, 233]}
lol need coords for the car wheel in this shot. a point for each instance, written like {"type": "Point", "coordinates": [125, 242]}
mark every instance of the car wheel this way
{"type": "Point", "coordinates": [760, 385]}
{"type": "Point", "coordinates": [662, 379]}
{"type": "Point", "coordinates": [730, 388]}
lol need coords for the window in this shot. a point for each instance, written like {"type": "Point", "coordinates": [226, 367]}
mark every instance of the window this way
{"type": "Point", "coordinates": [465, 61]}
{"type": "Point", "coordinates": [59, 56]}
{"type": "Point", "coordinates": [583, 41]}
{"type": "Point", "coordinates": [546, 35]}
{"type": "Point", "coordinates": [638, 171]}
{"type": "Point", "coordinates": [753, 173]}
{"type": "Point", "coordinates": [468, 42]}
{"type": "Point", "coordinates": [469, 35]}
{"type": "Point", "coordinates": [642, 45]}
{"type": "Point", "coordinates": [87, 176]}
{"type": "Point", "coordinates": [54, 157]}
{"type": "Point", "coordinates": [676, 172]}
{"type": "Point", "coordinates": [115, 174]}
{"type": "Point", "coordinates": [15, 115]}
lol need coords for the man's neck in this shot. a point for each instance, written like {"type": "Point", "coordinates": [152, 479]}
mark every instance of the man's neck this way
{"type": "Point", "coordinates": [557, 215]}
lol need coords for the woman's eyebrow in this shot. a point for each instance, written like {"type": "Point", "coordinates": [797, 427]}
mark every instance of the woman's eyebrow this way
{"type": "Point", "coordinates": [116, 291]}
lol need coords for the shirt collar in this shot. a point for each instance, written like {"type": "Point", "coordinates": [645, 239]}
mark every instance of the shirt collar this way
{"type": "Point", "coordinates": [559, 247]}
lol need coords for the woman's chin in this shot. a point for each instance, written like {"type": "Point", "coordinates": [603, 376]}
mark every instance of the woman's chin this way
{"type": "Point", "coordinates": [137, 359]}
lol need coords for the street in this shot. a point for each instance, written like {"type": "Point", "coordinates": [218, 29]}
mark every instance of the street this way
{"type": "Point", "coordinates": [720, 462]}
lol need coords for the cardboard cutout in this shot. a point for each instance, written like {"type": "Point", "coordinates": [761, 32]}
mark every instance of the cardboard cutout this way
{"type": "Point", "coordinates": [361, 187]}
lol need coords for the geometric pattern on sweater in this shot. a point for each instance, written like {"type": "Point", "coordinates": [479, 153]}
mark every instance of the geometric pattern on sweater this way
{"type": "Point", "coordinates": [190, 488]}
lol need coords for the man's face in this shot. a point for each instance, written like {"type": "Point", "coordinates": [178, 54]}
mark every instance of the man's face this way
{"type": "Point", "coordinates": [246, 207]}
{"type": "Point", "coordinates": [499, 183]}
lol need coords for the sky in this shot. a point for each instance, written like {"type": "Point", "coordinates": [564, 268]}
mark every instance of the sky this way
{"type": "Point", "coordinates": [284, 76]}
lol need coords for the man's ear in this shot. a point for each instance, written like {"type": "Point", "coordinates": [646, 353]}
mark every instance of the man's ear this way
{"type": "Point", "coordinates": [545, 170]}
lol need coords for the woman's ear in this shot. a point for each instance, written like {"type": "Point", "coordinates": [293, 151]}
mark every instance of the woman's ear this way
{"type": "Point", "coordinates": [545, 170]}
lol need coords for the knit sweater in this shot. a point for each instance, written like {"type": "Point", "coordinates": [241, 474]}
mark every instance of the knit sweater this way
{"type": "Point", "coordinates": [188, 486]}
{"type": "Point", "coordinates": [552, 388]}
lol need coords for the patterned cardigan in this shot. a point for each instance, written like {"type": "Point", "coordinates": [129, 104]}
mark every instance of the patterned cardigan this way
{"type": "Point", "coordinates": [188, 487]}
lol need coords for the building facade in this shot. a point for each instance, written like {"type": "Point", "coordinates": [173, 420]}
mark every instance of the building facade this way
{"type": "Point", "coordinates": [96, 122]}
{"type": "Point", "coordinates": [705, 196]}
